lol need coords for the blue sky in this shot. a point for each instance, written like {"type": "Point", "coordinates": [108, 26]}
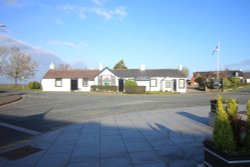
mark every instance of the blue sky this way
{"type": "Point", "coordinates": [157, 33]}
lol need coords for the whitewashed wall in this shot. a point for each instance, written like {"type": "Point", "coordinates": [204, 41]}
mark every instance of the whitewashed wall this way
{"type": "Point", "coordinates": [106, 72]}
{"type": "Point", "coordinates": [158, 86]}
{"type": "Point", "coordinates": [85, 88]}
{"type": "Point", "coordinates": [178, 89]}
{"type": "Point", "coordinates": [144, 83]}
{"type": "Point", "coordinates": [49, 85]}
{"type": "Point", "coordinates": [181, 90]}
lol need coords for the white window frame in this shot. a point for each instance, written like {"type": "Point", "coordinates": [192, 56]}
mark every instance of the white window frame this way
{"type": "Point", "coordinates": [169, 83]}
{"type": "Point", "coordinates": [85, 82]}
{"type": "Point", "coordinates": [153, 83]}
{"type": "Point", "coordinates": [58, 82]}
{"type": "Point", "coordinates": [181, 83]}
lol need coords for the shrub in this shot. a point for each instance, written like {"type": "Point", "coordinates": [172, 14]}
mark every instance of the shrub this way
{"type": "Point", "coordinates": [201, 81]}
{"type": "Point", "coordinates": [226, 83]}
{"type": "Point", "coordinates": [235, 81]}
{"type": "Point", "coordinates": [248, 126]}
{"type": "Point", "coordinates": [135, 89]}
{"type": "Point", "coordinates": [130, 83]}
{"type": "Point", "coordinates": [101, 88]}
{"type": "Point", "coordinates": [232, 109]}
{"type": "Point", "coordinates": [34, 85]}
{"type": "Point", "coordinates": [222, 133]}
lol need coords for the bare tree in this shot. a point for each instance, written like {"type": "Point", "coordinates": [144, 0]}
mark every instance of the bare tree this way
{"type": "Point", "coordinates": [185, 71]}
{"type": "Point", "coordinates": [20, 65]}
{"type": "Point", "coordinates": [64, 66]}
{"type": "Point", "coordinates": [3, 54]}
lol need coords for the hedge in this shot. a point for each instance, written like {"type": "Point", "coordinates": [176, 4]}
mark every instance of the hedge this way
{"type": "Point", "coordinates": [130, 83]}
{"type": "Point", "coordinates": [34, 85]}
{"type": "Point", "coordinates": [98, 88]}
{"type": "Point", "coordinates": [135, 89]}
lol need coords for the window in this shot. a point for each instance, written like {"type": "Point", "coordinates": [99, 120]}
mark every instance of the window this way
{"type": "Point", "coordinates": [112, 80]}
{"type": "Point", "coordinates": [85, 82]}
{"type": "Point", "coordinates": [168, 84]}
{"type": "Point", "coordinates": [106, 80]}
{"type": "Point", "coordinates": [58, 82]}
{"type": "Point", "coordinates": [181, 83]}
{"type": "Point", "coordinates": [100, 80]}
{"type": "Point", "coordinates": [153, 82]}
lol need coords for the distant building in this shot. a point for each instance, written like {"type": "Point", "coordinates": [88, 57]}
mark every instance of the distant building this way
{"type": "Point", "coordinates": [247, 77]}
{"type": "Point", "coordinates": [172, 80]}
{"type": "Point", "coordinates": [213, 74]}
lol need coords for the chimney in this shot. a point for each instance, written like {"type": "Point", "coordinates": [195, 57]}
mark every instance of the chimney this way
{"type": "Point", "coordinates": [51, 66]}
{"type": "Point", "coordinates": [100, 67]}
{"type": "Point", "coordinates": [180, 68]}
{"type": "Point", "coordinates": [142, 67]}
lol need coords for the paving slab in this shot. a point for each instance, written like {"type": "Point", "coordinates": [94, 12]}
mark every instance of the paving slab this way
{"type": "Point", "coordinates": [146, 139]}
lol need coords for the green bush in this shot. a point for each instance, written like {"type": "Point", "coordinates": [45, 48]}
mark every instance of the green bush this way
{"type": "Point", "coordinates": [248, 126]}
{"type": "Point", "coordinates": [99, 88]}
{"type": "Point", "coordinates": [232, 109]}
{"type": "Point", "coordinates": [235, 82]}
{"type": "Point", "coordinates": [130, 83]}
{"type": "Point", "coordinates": [135, 89]}
{"type": "Point", "coordinates": [223, 134]}
{"type": "Point", "coordinates": [226, 83]}
{"type": "Point", "coordinates": [34, 85]}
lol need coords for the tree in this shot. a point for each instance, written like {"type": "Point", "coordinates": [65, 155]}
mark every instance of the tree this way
{"type": "Point", "coordinates": [3, 54]}
{"type": "Point", "coordinates": [201, 81]}
{"type": "Point", "coordinates": [64, 66]}
{"type": "Point", "coordinates": [185, 71]}
{"type": "Point", "coordinates": [120, 66]}
{"type": "Point", "coordinates": [20, 65]}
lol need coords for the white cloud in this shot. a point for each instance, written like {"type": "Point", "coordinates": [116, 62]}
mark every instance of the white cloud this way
{"type": "Point", "coordinates": [98, 8]}
{"type": "Point", "coordinates": [67, 44]}
{"type": "Point", "coordinates": [107, 14]}
{"type": "Point", "coordinates": [67, 8]}
{"type": "Point", "coordinates": [98, 2]}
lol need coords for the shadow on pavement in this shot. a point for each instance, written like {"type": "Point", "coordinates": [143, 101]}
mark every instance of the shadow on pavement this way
{"type": "Point", "coordinates": [202, 120]}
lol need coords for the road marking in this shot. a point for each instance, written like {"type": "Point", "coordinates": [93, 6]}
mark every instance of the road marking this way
{"type": "Point", "coordinates": [32, 132]}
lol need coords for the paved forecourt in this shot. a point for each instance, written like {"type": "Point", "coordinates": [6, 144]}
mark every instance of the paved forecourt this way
{"type": "Point", "coordinates": [171, 137]}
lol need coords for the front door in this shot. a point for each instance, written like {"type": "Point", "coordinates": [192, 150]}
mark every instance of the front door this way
{"type": "Point", "coordinates": [121, 85]}
{"type": "Point", "coordinates": [175, 86]}
{"type": "Point", "coordinates": [74, 84]}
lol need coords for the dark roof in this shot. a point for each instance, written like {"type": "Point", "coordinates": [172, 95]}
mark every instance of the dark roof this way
{"type": "Point", "coordinates": [71, 74]}
{"type": "Point", "coordinates": [128, 73]}
{"type": "Point", "coordinates": [247, 75]}
{"type": "Point", "coordinates": [146, 74]}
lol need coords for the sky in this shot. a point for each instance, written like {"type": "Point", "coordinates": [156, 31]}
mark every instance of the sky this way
{"type": "Point", "coordinates": [156, 33]}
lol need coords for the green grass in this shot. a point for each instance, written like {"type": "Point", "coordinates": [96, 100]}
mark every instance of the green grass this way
{"type": "Point", "coordinates": [16, 87]}
{"type": "Point", "coordinates": [160, 93]}
{"type": "Point", "coordinates": [237, 89]}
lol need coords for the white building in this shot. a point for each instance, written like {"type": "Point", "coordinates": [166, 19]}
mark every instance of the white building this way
{"type": "Point", "coordinates": [172, 80]}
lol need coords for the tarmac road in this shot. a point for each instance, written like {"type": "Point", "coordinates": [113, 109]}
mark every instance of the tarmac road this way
{"type": "Point", "coordinates": [39, 112]}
